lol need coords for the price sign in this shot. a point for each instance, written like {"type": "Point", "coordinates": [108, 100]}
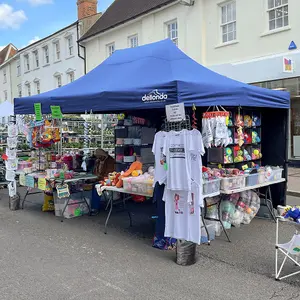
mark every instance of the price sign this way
{"type": "Point", "coordinates": [42, 184]}
{"type": "Point", "coordinates": [22, 179]}
{"type": "Point", "coordinates": [38, 111]}
{"type": "Point", "coordinates": [175, 112]}
{"type": "Point", "coordinates": [29, 181]}
{"type": "Point", "coordinates": [56, 112]}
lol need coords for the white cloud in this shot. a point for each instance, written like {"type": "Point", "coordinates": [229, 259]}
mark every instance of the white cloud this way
{"type": "Point", "coordinates": [10, 18]}
{"type": "Point", "coordinates": [40, 2]}
{"type": "Point", "coordinates": [35, 39]}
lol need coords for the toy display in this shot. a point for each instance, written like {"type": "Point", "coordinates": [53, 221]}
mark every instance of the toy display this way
{"type": "Point", "coordinates": [238, 154]}
{"type": "Point", "coordinates": [255, 137]}
{"type": "Point", "coordinates": [228, 156]}
{"type": "Point", "coordinates": [256, 154]}
{"type": "Point", "coordinates": [247, 121]}
{"type": "Point", "coordinates": [256, 120]}
{"type": "Point", "coordinates": [247, 156]}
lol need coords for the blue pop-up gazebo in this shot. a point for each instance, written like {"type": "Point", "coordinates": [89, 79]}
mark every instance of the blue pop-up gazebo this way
{"type": "Point", "coordinates": [149, 77]}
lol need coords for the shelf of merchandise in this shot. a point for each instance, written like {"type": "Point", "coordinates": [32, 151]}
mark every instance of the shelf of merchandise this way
{"type": "Point", "coordinates": [74, 130]}
{"type": "Point", "coordinates": [232, 145]}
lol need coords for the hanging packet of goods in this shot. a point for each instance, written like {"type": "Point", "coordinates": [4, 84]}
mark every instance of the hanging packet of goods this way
{"type": "Point", "coordinates": [56, 112]}
{"type": "Point", "coordinates": [38, 111]}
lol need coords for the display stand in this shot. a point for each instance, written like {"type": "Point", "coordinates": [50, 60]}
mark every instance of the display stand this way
{"type": "Point", "coordinates": [267, 198]}
{"type": "Point", "coordinates": [290, 249]}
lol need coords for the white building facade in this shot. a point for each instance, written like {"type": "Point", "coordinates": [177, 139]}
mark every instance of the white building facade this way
{"type": "Point", "coordinates": [48, 63]}
{"type": "Point", "coordinates": [179, 20]}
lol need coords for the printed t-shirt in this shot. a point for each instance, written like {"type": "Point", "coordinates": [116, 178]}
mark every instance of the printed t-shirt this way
{"type": "Point", "coordinates": [183, 215]}
{"type": "Point", "coordinates": [160, 172]}
{"type": "Point", "coordinates": [175, 150]}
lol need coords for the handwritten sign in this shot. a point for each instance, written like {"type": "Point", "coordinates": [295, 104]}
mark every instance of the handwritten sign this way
{"type": "Point", "coordinates": [38, 111]}
{"type": "Point", "coordinates": [22, 179]}
{"type": "Point", "coordinates": [42, 184]}
{"type": "Point", "coordinates": [29, 181]}
{"type": "Point", "coordinates": [63, 191]}
{"type": "Point", "coordinates": [56, 112]}
{"type": "Point", "coordinates": [175, 112]}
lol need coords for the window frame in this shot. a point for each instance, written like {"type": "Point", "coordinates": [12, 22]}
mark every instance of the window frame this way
{"type": "Point", "coordinates": [18, 68]}
{"type": "Point", "coordinates": [27, 63]}
{"type": "Point", "coordinates": [71, 76]}
{"type": "Point", "coordinates": [130, 40]}
{"type": "Point", "coordinates": [282, 18]}
{"type": "Point", "coordinates": [28, 89]}
{"type": "Point", "coordinates": [19, 87]}
{"type": "Point", "coordinates": [37, 84]}
{"type": "Point", "coordinates": [36, 58]}
{"type": "Point", "coordinates": [5, 95]}
{"type": "Point", "coordinates": [70, 46]}
{"type": "Point", "coordinates": [109, 47]}
{"type": "Point", "coordinates": [57, 51]}
{"type": "Point", "coordinates": [46, 55]}
{"type": "Point", "coordinates": [169, 31]}
{"type": "Point", "coordinates": [227, 23]}
{"type": "Point", "coordinates": [58, 80]}
{"type": "Point", "coordinates": [4, 76]}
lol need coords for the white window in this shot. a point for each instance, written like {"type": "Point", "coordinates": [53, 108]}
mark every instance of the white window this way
{"type": "Point", "coordinates": [26, 62]}
{"type": "Point", "coordinates": [46, 55]}
{"type": "Point", "coordinates": [4, 76]}
{"type": "Point", "coordinates": [133, 41]}
{"type": "Point", "coordinates": [58, 80]}
{"type": "Point", "coordinates": [228, 22]}
{"type": "Point", "coordinates": [18, 68]}
{"type": "Point", "coordinates": [71, 76]}
{"type": "Point", "coordinates": [37, 87]}
{"type": "Point", "coordinates": [70, 45]}
{"type": "Point", "coordinates": [28, 89]}
{"type": "Point", "coordinates": [278, 13]}
{"type": "Point", "coordinates": [172, 32]}
{"type": "Point", "coordinates": [110, 49]}
{"type": "Point", "coordinates": [36, 59]}
{"type": "Point", "coordinates": [5, 95]}
{"type": "Point", "coordinates": [57, 51]}
{"type": "Point", "coordinates": [19, 90]}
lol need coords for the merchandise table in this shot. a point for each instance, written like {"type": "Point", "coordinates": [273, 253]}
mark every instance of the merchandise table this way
{"type": "Point", "coordinates": [267, 196]}
{"type": "Point", "coordinates": [107, 193]}
{"type": "Point", "coordinates": [108, 197]}
{"type": "Point", "coordinates": [54, 181]}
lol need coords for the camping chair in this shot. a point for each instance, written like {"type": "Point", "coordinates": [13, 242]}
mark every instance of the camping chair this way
{"type": "Point", "coordinates": [291, 251]}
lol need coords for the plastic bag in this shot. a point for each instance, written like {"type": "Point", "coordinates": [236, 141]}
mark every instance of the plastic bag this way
{"type": "Point", "coordinates": [11, 153]}
{"type": "Point", "coordinates": [12, 130]}
{"type": "Point", "coordinates": [207, 135]}
{"type": "Point", "coordinates": [12, 188]}
{"type": "Point", "coordinates": [10, 175]}
{"type": "Point", "coordinates": [11, 164]}
{"type": "Point", "coordinates": [12, 142]}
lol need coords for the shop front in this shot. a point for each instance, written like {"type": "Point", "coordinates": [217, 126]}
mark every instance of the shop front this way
{"type": "Point", "coordinates": [277, 72]}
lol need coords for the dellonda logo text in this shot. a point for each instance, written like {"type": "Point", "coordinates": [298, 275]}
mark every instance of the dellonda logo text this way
{"type": "Point", "coordinates": [155, 96]}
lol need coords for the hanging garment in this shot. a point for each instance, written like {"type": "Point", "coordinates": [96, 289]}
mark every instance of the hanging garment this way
{"type": "Point", "coordinates": [183, 215]}
{"type": "Point", "coordinates": [160, 172]}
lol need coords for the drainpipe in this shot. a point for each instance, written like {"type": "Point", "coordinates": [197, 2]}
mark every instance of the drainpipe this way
{"type": "Point", "coordinates": [80, 46]}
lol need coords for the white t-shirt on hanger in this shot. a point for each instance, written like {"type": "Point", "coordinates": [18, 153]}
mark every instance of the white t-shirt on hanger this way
{"type": "Point", "coordinates": [182, 211]}
{"type": "Point", "coordinates": [160, 172]}
{"type": "Point", "coordinates": [175, 150]}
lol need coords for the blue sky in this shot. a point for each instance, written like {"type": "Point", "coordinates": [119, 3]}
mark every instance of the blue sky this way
{"type": "Point", "coordinates": [24, 21]}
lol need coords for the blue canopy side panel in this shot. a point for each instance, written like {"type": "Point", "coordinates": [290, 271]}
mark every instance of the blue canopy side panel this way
{"type": "Point", "coordinates": [149, 77]}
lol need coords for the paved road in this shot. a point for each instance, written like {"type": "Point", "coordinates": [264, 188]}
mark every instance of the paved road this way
{"type": "Point", "coordinates": [42, 258]}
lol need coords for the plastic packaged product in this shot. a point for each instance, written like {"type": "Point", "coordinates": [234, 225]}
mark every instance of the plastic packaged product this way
{"type": "Point", "coordinates": [12, 142]}
{"type": "Point", "coordinates": [12, 130]}
{"type": "Point", "coordinates": [11, 153]}
{"type": "Point", "coordinates": [11, 164]}
{"type": "Point", "coordinates": [10, 175]}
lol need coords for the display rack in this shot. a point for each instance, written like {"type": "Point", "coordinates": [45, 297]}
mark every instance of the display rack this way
{"type": "Point", "coordinates": [216, 155]}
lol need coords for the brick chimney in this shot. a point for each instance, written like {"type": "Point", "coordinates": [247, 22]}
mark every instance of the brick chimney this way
{"type": "Point", "coordinates": [86, 8]}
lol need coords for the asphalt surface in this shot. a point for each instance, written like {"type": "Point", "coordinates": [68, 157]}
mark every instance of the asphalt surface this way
{"type": "Point", "coordinates": [43, 258]}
